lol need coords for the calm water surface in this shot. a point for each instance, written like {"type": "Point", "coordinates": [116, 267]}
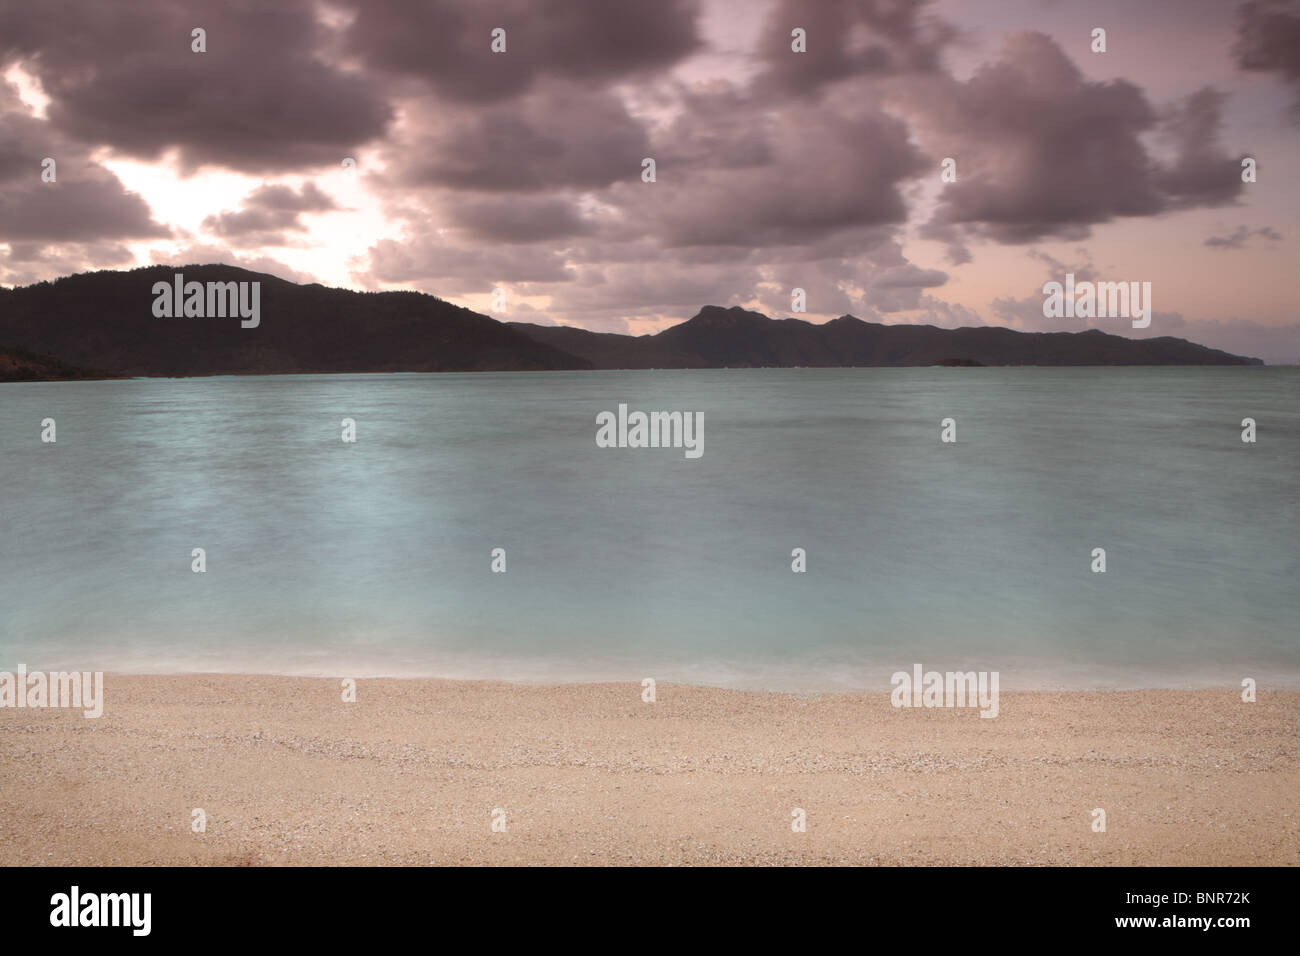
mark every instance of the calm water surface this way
{"type": "Point", "coordinates": [374, 558]}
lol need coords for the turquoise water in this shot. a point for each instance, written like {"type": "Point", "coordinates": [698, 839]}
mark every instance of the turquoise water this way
{"type": "Point", "coordinates": [374, 558]}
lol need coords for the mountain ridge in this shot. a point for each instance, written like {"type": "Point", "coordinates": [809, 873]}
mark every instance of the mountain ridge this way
{"type": "Point", "coordinates": [105, 321]}
{"type": "Point", "coordinates": [710, 340]}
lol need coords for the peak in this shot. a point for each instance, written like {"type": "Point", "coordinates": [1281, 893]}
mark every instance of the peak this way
{"type": "Point", "coordinates": [716, 313]}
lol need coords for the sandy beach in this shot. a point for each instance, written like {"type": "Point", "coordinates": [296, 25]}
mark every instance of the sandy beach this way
{"type": "Point", "coordinates": [286, 772]}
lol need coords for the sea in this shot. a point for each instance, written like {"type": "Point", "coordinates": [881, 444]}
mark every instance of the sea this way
{"type": "Point", "coordinates": [825, 538]}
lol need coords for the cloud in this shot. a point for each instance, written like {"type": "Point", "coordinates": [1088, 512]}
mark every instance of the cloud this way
{"type": "Point", "coordinates": [1268, 40]}
{"type": "Point", "coordinates": [948, 315]}
{"type": "Point", "coordinates": [900, 288]}
{"type": "Point", "coordinates": [516, 219]}
{"type": "Point", "coordinates": [268, 213]}
{"type": "Point", "coordinates": [1027, 315]}
{"type": "Point", "coordinates": [460, 269]}
{"type": "Point", "coordinates": [848, 39]}
{"type": "Point", "coordinates": [610, 296]}
{"type": "Point", "coordinates": [552, 180]}
{"type": "Point", "coordinates": [957, 252]}
{"type": "Point", "coordinates": [26, 262]}
{"type": "Point", "coordinates": [1056, 269]}
{"type": "Point", "coordinates": [85, 203]}
{"type": "Point", "coordinates": [775, 169]}
{"type": "Point", "coordinates": [1275, 344]}
{"type": "Point", "coordinates": [777, 196]}
{"type": "Point", "coordinates": [447, 45]}
{"type": "Point", "coordinates": [864, 273]}
{"type": "Point", "coordinates": [262, 98]}
{"type": "Point", "coordinates": [1202, 174]}
{"type": "Point", "coordinates": [559, 135]}
{"type": "Point", "coordinates": [1043, 152]}
{"type": "Point", "coordinates": [1238, 237]}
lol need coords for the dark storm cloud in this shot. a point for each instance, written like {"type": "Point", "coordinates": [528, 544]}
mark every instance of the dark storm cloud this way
{"type": "Point", "coordinates": [448, 44]}
{"type": "Point", "coordinates": [746, 188]}
{"type": "Point", "coordinates": [516, 218]}
{"type": "Point", "coordinates": [734, 173]}
{"type": "Point", "coordinates": [85, 204]}
{"type": "Point", "coordinates": [1041, 151]}
{"type": "Point", "coordinates": [910, 276]}
{"type": "Point", "coordinates": [282, 198]}
{"type": "Point", "coordinates": [1202, 174]}
{"type": "Point", "coordinates": [788, 190]}
{"type": "Point", "coordinates": [736, 187]}
{"type": "Point", "coordinates": [260, 99]}
{"type": "Point", "coordinates": [1268, 40]}
{"type": "Point", "coordinates": [848, 38]}
{"type": "Point", "coordinates": [559, 135]}
{"type": "Point", "coordinates": [719, 126]}
{"type": "Point", "coordinates": [269, 213]}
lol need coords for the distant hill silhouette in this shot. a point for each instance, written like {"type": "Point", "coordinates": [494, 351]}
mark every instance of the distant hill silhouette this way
{"type": "Point", "coordinates": [105, 320]}
{"type": "Point", "coordinates": [736, 338]}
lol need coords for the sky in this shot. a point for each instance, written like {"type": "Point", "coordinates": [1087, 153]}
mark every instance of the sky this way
{"type": "Point", "coordinates": [384, 144]}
